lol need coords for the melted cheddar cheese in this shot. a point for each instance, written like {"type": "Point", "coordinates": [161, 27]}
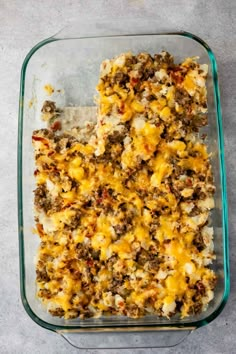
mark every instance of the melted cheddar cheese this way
{"type": "Point", "coordinates": [122, 217]}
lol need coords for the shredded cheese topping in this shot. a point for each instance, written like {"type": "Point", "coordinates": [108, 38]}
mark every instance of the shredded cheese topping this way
{"type": "Point", "coordinates": [123, 217]}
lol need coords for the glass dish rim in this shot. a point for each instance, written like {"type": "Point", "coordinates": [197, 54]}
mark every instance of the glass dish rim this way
{"type": "Point", "coordinates": [143, 327]}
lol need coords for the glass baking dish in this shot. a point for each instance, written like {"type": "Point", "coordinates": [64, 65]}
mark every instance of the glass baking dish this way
{"type": "Point", "coordinates": [70, 62]}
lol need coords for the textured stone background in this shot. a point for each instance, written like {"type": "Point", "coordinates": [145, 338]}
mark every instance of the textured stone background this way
{"type": "Point", "coordinates": [22, 25]}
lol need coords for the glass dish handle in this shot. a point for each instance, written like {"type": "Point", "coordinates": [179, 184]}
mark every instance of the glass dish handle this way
{"type": "Point", "coordinates": [125, 340]}
{"type": "Point", "coordinates": [104, 28]}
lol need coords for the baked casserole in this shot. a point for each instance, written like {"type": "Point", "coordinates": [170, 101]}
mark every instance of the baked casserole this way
{"type": "Point", "coordinates": [123, 210]}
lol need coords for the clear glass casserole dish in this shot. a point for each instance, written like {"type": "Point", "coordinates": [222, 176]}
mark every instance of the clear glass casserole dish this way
{"type": "Point", "coordinates": [70, 62]}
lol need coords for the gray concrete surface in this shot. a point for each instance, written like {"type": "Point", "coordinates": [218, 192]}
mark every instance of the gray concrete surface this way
{"type": "Point", "coordinates": [22, 25]}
